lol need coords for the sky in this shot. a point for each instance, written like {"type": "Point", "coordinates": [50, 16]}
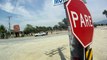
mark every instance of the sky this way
{"type": "Point", "coordinates": [42, 12]}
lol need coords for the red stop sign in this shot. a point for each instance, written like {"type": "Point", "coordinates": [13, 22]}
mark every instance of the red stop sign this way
{"type": "Point", "coordinates": [80, 21]}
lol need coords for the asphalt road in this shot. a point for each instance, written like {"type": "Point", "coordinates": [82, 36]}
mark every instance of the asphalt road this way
{"type": "Point", "coordinates": [26, 39]}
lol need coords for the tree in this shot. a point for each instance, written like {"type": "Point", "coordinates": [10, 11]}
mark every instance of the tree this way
{"type": "Point", "coordinates": [41, 29]}
{"type": "Point", "coordinates": [105, 13]}
{"type": "Point", "coordinates": [2, 29]}
{"type": "Point", "coordinates": [61, 25]}
{"type": "Point", "coordinates": [65, 21]}
{"type": "Point", "coordinates": [56, 27]}
{"type": "Point", "coordinates": [95, 25]}
{"type": "Point", "coordinates": [49, 28]}
{"type": "Point", "coordinates": [29, 29]}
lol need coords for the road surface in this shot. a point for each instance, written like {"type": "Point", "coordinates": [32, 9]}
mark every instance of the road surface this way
{"type": "Point", "coordinates": [51, 47]}
{"type": "Point", "coordinates": [35, 48]}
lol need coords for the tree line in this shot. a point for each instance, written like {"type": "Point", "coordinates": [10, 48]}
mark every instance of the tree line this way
{"type": "Point", "coordinates": [63, 25]}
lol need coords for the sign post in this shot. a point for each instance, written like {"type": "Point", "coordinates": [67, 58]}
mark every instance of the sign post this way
{"type": "Point", "coordinates": [76, 49]}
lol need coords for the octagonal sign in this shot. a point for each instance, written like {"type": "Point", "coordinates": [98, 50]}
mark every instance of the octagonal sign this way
{"type": "Point", "coordinates": [80, 21]}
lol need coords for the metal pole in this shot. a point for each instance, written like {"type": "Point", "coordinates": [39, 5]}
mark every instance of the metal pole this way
{"type": "Point", "coordinates": [9, 17]}
{"type": "Point", "coordinates": [9, 22]}
{"type": "Point", "coordinates": [9, 30]}
{"type": "Point", "coordinates": [76, 49]}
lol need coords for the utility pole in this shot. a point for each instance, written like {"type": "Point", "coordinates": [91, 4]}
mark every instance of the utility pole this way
{"type": "Point", "coordinates": [9, 17]}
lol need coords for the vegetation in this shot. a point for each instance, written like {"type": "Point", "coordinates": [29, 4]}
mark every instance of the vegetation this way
{"type": "Point", "coordinates": [3, 31]}
{"type": "Point", "coordinates": [63, 25]}
{"type": "Point", "coordinates": [105, 13]}
{"type": "Point", "coordinates": [96, 24]}
{"type": "Point", "coordinates": [29, 29]}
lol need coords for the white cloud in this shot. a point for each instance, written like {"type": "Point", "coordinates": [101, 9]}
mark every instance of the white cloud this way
{"type": "Point", "coordinates": [20, 10]}
{"type": "Point", "coordinates": [7, 7]}
{"type": "Point", "coordinates": [50, 14]}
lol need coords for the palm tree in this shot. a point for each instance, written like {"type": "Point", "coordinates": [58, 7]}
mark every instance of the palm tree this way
{"type": "Point", "coordinates": [105, 13]}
